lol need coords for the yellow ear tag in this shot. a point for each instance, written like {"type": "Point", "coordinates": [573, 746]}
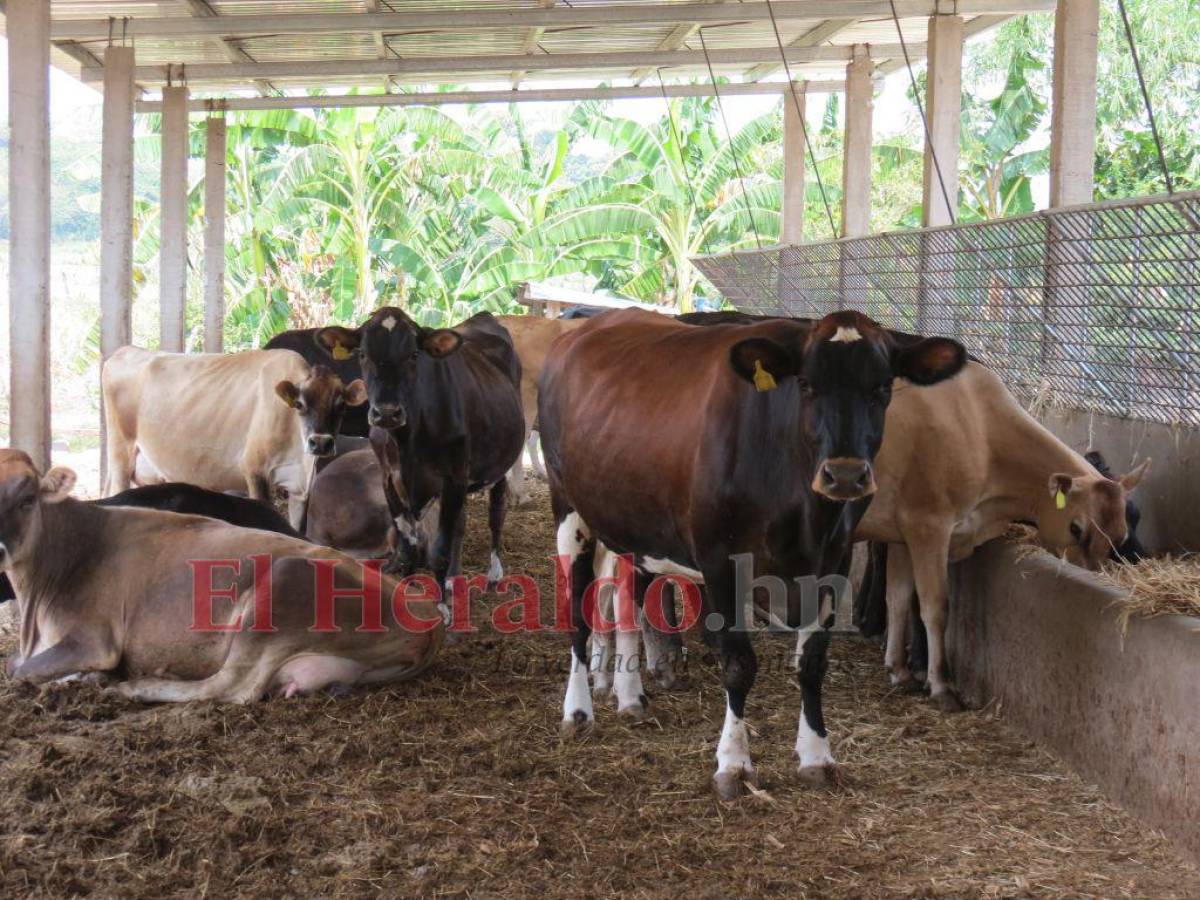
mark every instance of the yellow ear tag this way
{"type": "Point", "coordinates": [1060, 500]}
{"type": "Point", "coordinates": [340, 352]}
{"type": "Point", "coordinates": [763, 380]}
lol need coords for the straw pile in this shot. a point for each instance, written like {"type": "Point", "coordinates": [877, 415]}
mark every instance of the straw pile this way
{"type": "Point", "coordinates": [457, 784]}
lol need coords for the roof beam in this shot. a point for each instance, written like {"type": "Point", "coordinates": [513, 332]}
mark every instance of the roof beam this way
{"type": "Point", "coordinates": [453, 98]}
{"type": "Point", "coordinates": [201, 9]}
{"type": "Point", "coordinates": [810, 38]}
{"type": "Point", "coordinates": [463, 66]}
{"type": "Point", "coordinates": [974, 28]}
{"type": "Point", "coordinates": [677, 38]}
{"type": "Point", "coordinates": [530, 43]}
{"type": "Point", "coordinates": [381, 46]}
{"type": "Point", "coordinates": [646, 12]}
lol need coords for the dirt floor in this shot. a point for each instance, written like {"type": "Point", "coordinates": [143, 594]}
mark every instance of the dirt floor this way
{"type": "Point", "coordinates": [457, 784]}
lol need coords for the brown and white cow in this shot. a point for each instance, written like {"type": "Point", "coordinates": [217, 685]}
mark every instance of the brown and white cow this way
{"type": "Point", "coordinates": [687, 447]}
{"type": "Point", "coordinates": [104, 589]}
{"type": "Point", "coordinates": [960, 462]}
{"type": "Point", "coordinates": [239, 421]}
{"type": "Point", "coordinates": [532, 337]}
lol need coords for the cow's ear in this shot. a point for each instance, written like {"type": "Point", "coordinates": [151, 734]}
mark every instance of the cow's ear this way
{"type": "Point", "coordinates": [288, 393]}
{"type": "Point", "coordinates": [762, 362]}
{"type": "Point", "coordinates": [1130, 480]}
{"type": "Point", "coordinates": [356, 393]}
{"type": "Point", "coordinates": [440, 342]}
{"type": "Point", "coordinates": [56, 484]}
{"type": "Point", "coordinates": [1061, 487]}
{"type": "Point", "coordinates": [929, 361]}
{"type": "Point", "coordinates": [338, 342]}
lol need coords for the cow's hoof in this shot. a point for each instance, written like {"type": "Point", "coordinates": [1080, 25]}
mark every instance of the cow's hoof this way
{"type": "Point", "coordinates": [635, 713]}
{"type": "Point", "coordinates": [730, 784]}
{"type": "Point", "coordinates": [947, 702]}
{"type": "Point", "coordinates": [821, 776]}
{"type": "Point", "coordinates": [666, 678]}
{"type": "Point", "coordinates": [576, 728]}
{"type": "Point", "coordinates": [909, 685]}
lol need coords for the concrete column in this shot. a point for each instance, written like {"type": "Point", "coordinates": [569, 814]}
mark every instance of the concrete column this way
{"type": "Point", "coordinates": [116, 200]}
{"type": "Point", "coordinates": [28, 27]}
{"type": "Point", "coordinates": [792, 229]}
{"type": "Point", "coordinates": [1073, 103]}
{"type": "Point", "coordinates": [856, 153]}
{"type": "Point", "coordinates": [214, 234]}
{"type": "Point", "coordinates": [943, 109]}
{"type": "Point", "coordinates": [172, 259]}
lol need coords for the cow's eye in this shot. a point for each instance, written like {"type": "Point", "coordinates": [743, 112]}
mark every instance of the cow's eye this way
{"type": "Point", "coordinates": [1076, 531]}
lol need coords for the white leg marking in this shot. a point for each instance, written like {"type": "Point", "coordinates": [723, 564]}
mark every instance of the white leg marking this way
{"type": "Point", "coordinates": [627, 679]}
{"type": "Point", "coordinates": [578, 698]}
{"type": "Point", "coordinates": [802, 635]}
{"type": "Point", "coordinates": [733, 750]}
{"type": "Point", "coordinates": [495, 570]}
{"type": "Point", "coordinates": [811, 749]}
{"type": "Point", "coordinates": [602, 642]}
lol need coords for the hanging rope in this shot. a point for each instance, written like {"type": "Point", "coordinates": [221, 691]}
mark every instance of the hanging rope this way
{"type": "Point", "coordinates": [800, 115]}
{"type": "Point", "coordinates": [1137, 66]}
{"type": "Point", "coordinates": [737, 167]}
{"type": "Point", "coordinates": [937, 166]}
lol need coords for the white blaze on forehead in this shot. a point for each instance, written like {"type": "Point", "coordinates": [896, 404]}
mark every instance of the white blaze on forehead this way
{"type": "Point", "coordinates": [389, 323]}
{"type": "Point", "coordinates": [845, 335]}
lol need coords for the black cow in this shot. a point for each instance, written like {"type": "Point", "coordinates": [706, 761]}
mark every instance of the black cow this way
{"type": "Point", "coordinates": [192, 500]}
{"type": "Point", "coordinates": [687, 446]}
{"type": "Point", "coordinates": [1131, 550]}
{"type": "Point", "coordinates": [446, 404]}
{"type": "Point", "coordinates": [346, 367]}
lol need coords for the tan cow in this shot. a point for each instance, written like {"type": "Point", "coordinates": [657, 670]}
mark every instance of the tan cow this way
{"type": "Point", "coordinates": [532, 337]}
{"type": "Point", "coordinates": [112, 588]}
{"type": "Point", "coordinates": [228, 422]}
{"type": "Point", "coordinates": [960, 462]}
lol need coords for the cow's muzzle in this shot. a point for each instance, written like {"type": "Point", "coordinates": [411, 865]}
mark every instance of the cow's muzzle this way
{"type": "Point", "coordinates": [844, 478]}
{"type": "Point", "coordinates": [387, 415]}
{"type": "Point", "coordinates": [321, 444]}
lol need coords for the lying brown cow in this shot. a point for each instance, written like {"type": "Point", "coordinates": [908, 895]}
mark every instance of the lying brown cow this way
{"type": "Point", "coordinates": [531, 337]}
{"type": "Point", "coordinates": [217, 420]}
{"type": "Point", "coordinates": [106, 588]}
{"type": "Point", "coordinates": [960, 462]}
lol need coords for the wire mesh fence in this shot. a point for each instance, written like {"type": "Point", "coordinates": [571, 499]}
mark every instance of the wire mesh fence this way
{"type": "Point", "coordinates": [1091, 307]}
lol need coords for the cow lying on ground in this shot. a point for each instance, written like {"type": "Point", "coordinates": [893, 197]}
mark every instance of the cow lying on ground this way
{"type": "Point", "coordinates": [345, 367]}
{"type": "Point", "coordinates": [234, 421]}
{"type": "Point", "coordinates": [187, 498]}
{"type": "Point", "coordinates": [348, 510]}
{"type": "Point", "coordinates": [532, 337]}
{"type": "Point", "coordinates": [111, 589]}
{"type": "Point", "coordinates": [685, 446]}
{"type": "Point", "coordinates": [960, 462]}
{"type": "Point", "coordinates": [447, 408]}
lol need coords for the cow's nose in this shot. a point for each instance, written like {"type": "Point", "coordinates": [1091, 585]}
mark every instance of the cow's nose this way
{"type": "Point", "coordinates": [386, 415]}
{"type": "Point", "coordinates": [845, 478]}
{"type": "Point", "coordinates": [320, 444]}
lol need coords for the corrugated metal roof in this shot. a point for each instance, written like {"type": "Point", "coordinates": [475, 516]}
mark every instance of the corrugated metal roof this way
{"type": "Point", "coordinates": [240, 35]}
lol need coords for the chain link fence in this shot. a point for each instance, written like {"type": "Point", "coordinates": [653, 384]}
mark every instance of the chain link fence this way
{"type": "Point", "coordinates": [1092, 307]}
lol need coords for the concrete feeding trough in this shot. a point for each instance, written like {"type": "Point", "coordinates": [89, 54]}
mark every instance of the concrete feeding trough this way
{"type": "Point", "coordinates": [1045, 640]}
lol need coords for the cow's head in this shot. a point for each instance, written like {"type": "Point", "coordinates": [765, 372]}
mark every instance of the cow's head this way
{"type": "Point", "coordinates": [844, 370]}
{"type": "Point", "coordinates": [389, 346]}
{"type": "Point", "coordinates": [23, 493]}
{"type": "Point", "coordinates": [1083, 517]}
{"type": "Point", "coordinates": [321, 400]}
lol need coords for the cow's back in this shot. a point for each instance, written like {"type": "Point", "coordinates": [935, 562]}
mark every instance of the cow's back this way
{"type": "Point", "coordinates": [193, 416]}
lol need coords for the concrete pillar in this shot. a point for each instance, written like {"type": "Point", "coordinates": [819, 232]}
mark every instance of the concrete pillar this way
{"type": "Point", "coordinates": [943, 109]}
{"type": "Point", "coordinates": [28, 27]}
{"type": "Point", "coordinates": [172, 258]}
{"type": "Point", "coordinates": [792, 229]}
{"type": "Point", "coordinates": [116, 200]}
{"type": "Point", "coordinates": [856, 153]}
{"type": "Point", "coordinates": [1073, 103]}
{"type": "Point", "coordinates": [214, 234]}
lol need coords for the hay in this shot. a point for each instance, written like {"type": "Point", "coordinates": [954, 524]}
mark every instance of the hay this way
{"type": "Point", "coordinates": [1162, 586]}
{"type": "Point", "coordinates": [457, 784]}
